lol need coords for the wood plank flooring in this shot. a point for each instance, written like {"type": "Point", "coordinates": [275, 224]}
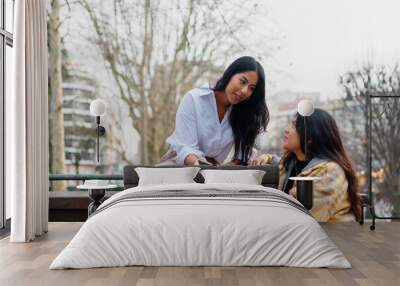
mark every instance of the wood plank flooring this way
{"type": "Point", "coordinates": [374, 255]}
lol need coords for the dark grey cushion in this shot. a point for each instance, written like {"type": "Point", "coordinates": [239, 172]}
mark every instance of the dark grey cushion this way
{"type": "Point", "coordinates": [270, 179]}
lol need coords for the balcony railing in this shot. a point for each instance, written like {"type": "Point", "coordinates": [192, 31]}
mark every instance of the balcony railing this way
{"type": "Point", "coordinates": [83, 177]}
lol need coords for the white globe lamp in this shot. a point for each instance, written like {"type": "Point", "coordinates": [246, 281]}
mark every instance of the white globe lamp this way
{"type": "Point", "coordinates": [305, 108]}
{"type": "Point", "coordinates": [97, 109]}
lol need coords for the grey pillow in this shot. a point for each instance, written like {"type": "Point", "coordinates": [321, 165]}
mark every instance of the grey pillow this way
{"type": "Point", "coordinates": [248, 177]}
{"type": "Point", "coordinates": [163, 176]}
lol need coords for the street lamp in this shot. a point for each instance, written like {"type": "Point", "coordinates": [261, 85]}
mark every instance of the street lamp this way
{"type": "Point", "coordinates": [97, 109]}
{"type": "Point", "coordinates": [305, 108]}
{"type": "Point", "coordinates": [304, 185]}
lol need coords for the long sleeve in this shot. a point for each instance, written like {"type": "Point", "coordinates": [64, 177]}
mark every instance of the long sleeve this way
{"type": "Point", "coordinates": [185, 138]}
{"type": "Point", "coordinates": [198, 129]}
{"type": "Point", "coordinates": [330, 192]}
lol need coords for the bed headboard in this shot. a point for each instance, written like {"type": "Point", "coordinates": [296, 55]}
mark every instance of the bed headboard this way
{"type": "Point", "coordinates": [270, 179]}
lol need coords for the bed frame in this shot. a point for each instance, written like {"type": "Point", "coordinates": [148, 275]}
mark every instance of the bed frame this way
{"type": "Point", "coordinates": [270, 179]}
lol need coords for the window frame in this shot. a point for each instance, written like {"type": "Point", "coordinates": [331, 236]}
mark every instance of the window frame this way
{"type": "Point", "coordinates": [6, 39]}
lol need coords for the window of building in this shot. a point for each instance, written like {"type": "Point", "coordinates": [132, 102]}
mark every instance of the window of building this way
{"type": "Point", "coordinates": [68, 117]}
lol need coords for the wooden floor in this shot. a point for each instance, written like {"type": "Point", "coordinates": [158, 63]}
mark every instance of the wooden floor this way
{"type": "Point", "coordinates": [374, 255]}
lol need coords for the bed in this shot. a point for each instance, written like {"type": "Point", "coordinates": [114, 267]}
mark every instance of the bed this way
{"type": "Point", "coordinates": [197, 224]}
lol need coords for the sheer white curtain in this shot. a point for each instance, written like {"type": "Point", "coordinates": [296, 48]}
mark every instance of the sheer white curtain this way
{"type": "Point", "coordinates": [27, 124]}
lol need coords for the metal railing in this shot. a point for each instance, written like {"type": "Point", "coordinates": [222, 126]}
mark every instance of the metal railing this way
{"type": "Point", "coordinates": [84, 177]}
{"type": "Point", "coordinates": [369, 118]}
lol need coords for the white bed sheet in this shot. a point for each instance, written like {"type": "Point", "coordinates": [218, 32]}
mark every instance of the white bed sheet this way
{"type": "Point", "coordinates": [200, 231]}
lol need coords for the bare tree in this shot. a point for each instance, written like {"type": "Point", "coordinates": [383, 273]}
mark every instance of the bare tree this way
{"type": "Point", "coordinates": [383, 83]}
{"type": "Point", "coordinates": [56, 111]}
{"type": "Point", "coordinates": [156, 50]}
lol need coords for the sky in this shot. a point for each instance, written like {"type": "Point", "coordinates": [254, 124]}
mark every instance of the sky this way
{"type": "Point", "coordinates": [320, 40]}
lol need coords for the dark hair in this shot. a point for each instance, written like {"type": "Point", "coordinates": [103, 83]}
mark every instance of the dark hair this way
{"type": "Point", "coordinates": [324, 142]}
{"type": "Point", "coordinates": [248, 118]}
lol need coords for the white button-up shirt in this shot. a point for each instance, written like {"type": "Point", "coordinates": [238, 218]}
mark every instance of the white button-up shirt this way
{"type": "Point", "coordinates": [198, 129]}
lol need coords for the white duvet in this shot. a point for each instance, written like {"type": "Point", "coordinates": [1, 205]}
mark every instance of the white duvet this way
{"type": "Point", "coordinates": [185, 231]}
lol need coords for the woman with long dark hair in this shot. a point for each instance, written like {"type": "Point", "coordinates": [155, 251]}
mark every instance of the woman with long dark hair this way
{"type": "Point", "coordinates": [210, 121]}
{"type": "Point", "coordinates": [335, 192]}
